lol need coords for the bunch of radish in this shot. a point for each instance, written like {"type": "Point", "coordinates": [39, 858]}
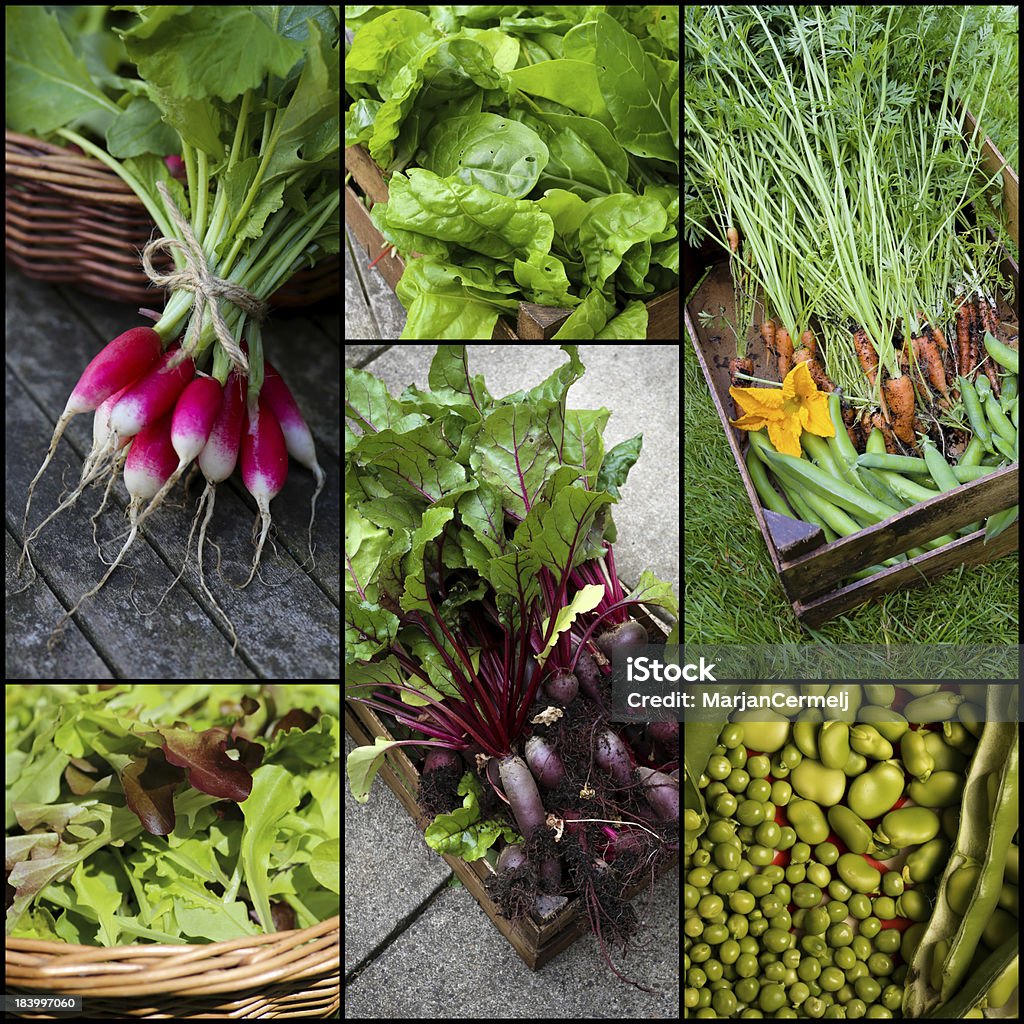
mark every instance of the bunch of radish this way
{"type": "Point", "coordinates": [157, 414]}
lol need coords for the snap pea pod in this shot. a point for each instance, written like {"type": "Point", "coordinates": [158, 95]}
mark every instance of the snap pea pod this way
{"type": "Point", "coordinates": [972, 456]}
{"type": "Point", "coordinates": [770, 498]}
{"type": "Point", "coordinates": [941, 471]}
{"type": "Point", "coordinates": [893, 463]}
{"type": "Point", "coordinates": [1005, 356]}
{"type": "Point", "coordinates": [1009, 390]}
{"type": "Point", "coordinates": [877, 489]}
{"type": "Point", "coordinates": [965, 474]}
{"type": "Point", "coordinates": [820, 453]}
{"type": "Point", "coordinates": [996, 524]}
{"type": "Point", "coordinates": [997, 419]}
{"type": "Point", "coordinates": [1004, 447]}
{"type": "Point", "coordinates": [975, 413]}
{"type": "Point", "coordinates": [829, 488]}
{"type": "Point", "coordinates": [843, 453]}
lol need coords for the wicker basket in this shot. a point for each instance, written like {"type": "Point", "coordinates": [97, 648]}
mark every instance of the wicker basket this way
{"type": "Point", "coordinates": [70, 219]}
{"type": "Point", "coordinates": [287, 974]}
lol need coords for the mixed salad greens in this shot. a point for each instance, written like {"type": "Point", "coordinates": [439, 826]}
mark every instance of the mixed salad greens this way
{"type": "Point", "coordinates": [180, 814]}
{"type": "Point", "coordinates": [532, 154]}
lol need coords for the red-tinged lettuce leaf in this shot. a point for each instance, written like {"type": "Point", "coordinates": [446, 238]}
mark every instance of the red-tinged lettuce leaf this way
{"type": "Point", "coordinates": [295, 719]}
{"type": "Point", "coordinates": [204, 757]}
{"type": "Point", "coordinates": [149, 784]}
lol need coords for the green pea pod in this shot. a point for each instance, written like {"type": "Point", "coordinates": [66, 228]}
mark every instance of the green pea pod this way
{"type": "Point", "coordinates": [834, 744]}
{"type": "Point", "coordinates": [1003, 987]}
{"type": "Point", "coordinates": [923, 863]}
{"type": "Point", "coordinates": [851, 828]}
{"type": "Point", "coordinates": [867, 740]}
{"type": "Point", "coordinates": [972, 456]}
{"type": "Point", "coordinates": [940, 470]}
{"type": "Point", "coordinates": [942, 789]}
{"type": "Point", "coordinates": [770, 498]}
{"type": "Point", "coordinates": [807, 819]}
{"type": "Point", "coordinates": [814, 781]}
{"type": "Point", "coordinates": [935, 707]}
{"type": "Point", "coordinates": [909, 826]}
{"type": "Point", "coordinates": [858, 874]}
{"type": "Point", "coordinates": [891, 724]}
{"type": "Point", "coordinates": [997, 419]}
{"type": "Point", "coordinates": [975, 413]}
{"type": "Point", "coordinates": [915, 756]}
{"type": "Point", "coordinates": [1005, 356]}
{"type": "Point", "coordinates": [877, 790]}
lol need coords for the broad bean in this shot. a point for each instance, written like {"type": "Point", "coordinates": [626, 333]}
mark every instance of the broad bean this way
{"type": "Point", "coordinates": [877, 790]}
{"type": "Point", "coordinates": [943, 789]}
{"type": "Point", "coordinates": [923, 864]}
{"type": "Point", "coordinates": [891, 724]}
{"type": "Point", "coordinates": [812, 780]}
{"type": "Point", "coordinates": [935, 707]}
{"type": "Point", "coordinates": [807, 819]}
{"type": "Point", "coordinates": [767, 734]}
{"type": "Point", "coordinates": [867, 740]}
{"type": "Point", "coordinates": [851, 828]}
{"type": "Point", "coordinates": [834, 744]}
{"type": "Point", "coordinates": [915, 756]}
{"type": "Point", "coordinates": [909, 826]}
{"type": "Point", "coordinates": [857, 873]}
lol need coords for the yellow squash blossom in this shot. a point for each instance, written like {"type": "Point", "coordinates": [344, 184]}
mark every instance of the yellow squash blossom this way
{"type": "Point", "coordinates": [787, 411]}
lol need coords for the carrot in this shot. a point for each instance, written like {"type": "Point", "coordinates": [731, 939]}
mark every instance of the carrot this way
{"type": "Point", "coordinates": [808, 341]}
{"type": "Point", "coordinates": [963, 341]}
{"type": "Point", "coordinates": [784, 346]}
{"type": "Point", "coordinates": [928, 358]}
{"type": "Point", "coordinates": [866, 354]}
{"type": "Point", "coordinates": [972, 334]}
{"type": "Point", "coordinates": [734, 238]}
{"type": "Point", "coordinates": [816, 370]}
{"type": "Point", "coordinates": [737, 365]}
{"type": "Point", "coordinates": [899, 391]}
{"type": "Point", "coordinates": [938, 337]}
{"type": "Point", "coordinates": [768, 336]}
{"type": "Point", "coordinates": [991, 324]}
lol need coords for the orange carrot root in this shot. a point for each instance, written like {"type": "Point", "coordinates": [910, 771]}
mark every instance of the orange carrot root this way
{"type": "Point", "coordinates": [784, 346]}
{"type": "Point", "coordinates": [899, 392]}
{"type": "Point", "coordinates": [866, 354]}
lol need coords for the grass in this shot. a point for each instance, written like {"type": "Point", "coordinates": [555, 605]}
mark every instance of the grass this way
{"type": "Point", "coordinates": [733, 596]}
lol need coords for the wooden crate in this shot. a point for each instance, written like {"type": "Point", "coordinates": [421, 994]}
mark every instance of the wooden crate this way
{"type": "Point", "coordinates": [535, 943]}
{"type": "Point", "coordinates": [812, 571]}
{"type": "Point", "coordinates": [534, 323]}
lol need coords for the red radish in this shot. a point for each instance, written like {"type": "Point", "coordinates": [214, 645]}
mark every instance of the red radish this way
{"type": "Point", "coordinates": [120, 363]}
{"type": "Point", "coordinates": [297, 436]}
{"type": "Point", "coordinates": [150, 462]}
{"type": "Point", "coordinates": [264, 466]}
{"type": "Point", "coordinates": [153, 395]}
{"type": "Point", "coordinates": [191, 422]}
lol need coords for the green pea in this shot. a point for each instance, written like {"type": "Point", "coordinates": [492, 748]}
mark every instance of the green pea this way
{"type": "Point", "coordinates": [880, 964]}
{"type": "Point", "coordinates": [943, 789]}
{"type": "Point", "coordinates": [836, 911]}
{"type": "Point", "coordinates": [888, 941]}
{"type": "Point", "coordinates": [860, 906]}
{"type": "Point", "coordinates": [738, 926]}
{"type": "Point", "coordinates": [806, 894]}
{"type": "Point", "coordinates": [891, 724]}
{"type": "Point", "coordinates": [870, 927]}
{"type": "Point", "coordinates": [892, 883]}
{"type": "Point", "coordinates": [701, 858]}
{"type": "Point", "coordinates": [867, 740]}
{"type": "Point", "coordinates": [776, 940]}
{"type": "Point", "coordinates": [759, 766]}
{"type": "Point", "coordinates": [749, 812]}
{"type": "Point", "coordinates": [868, 989]}
{"type": "Point", "coordinates": [845, 958]}
{"type": "Point", "coordinates": [766, 735]}
{"type": "Point", "coordinates": [721, 831]}
{"type": "Point", "coordinates": [839, 934]}
{"type": "Point", "coordinates": [825, 786]}
{"type": "Point", "coordinates": [832, 979]}
{"type": "Point", "coordinates": [914, 753]}
{"type": "Point", "coordinates": [714, 790]}
{"type": "Point", "coordinates": [725, 805]}
{"type": "Point", "coordinates": [741, 901]}
{"type": "Point", "coordinates": [935, 707]}
{"type": "Point", "coordinates": [820, 875]}
{"type": "Point", "coordinates": [800, 854]}
{"type": "Point", "coordinates": [787, 838]}
{"type": "Point", "coordinates": [839, 890]}
{"type": "Point", "coordinates": [771, 998]}
{"type": "Point", "coordinates": [782, 792]}
{"type": "Point", "coordinates": [816, 921]}
{"type": "Point", "coordinates": [725, 882]}
{"type": "Point", "coordinates": [718, 767]}
{"type": "Point", "coordinates": [826, 853]}
{"type": "Point", "coordinates": [790, 756]}
{"type": "Point", "coordinates": [862, 947]}
{"type": "Point", "coordinates": [760, 856]}
{"type": "Point", "coordinates": [738, 780]}
{"type": "Point", "coordinates": [731, 735]}
{"type": "Point", "coordinates": [699, 878]}
{"type": "Point", "coordinates": [768, 834]}
{"type": "Point", "coordinates": [737, 756]}
{"type": "Point", "coordinates": [834, 744]}
{"type": "Point", "coordinates": [805, 736]}
{"type": "Point", "coordinates": [851, 828]}
{"type": "Point", "coordinates": [925, 861]}
{"type": "Point", "coordinates": [876, 791]}
{"type": "Point", "coordinates": [798, 993]}
{"type": "Point", "coordinates": [759, 790]}
{"type": "Point", "coordinates": [727, 856]}
{"type": "Point", "coordinates": [807, 819]}
{"type": "Point", "coordinates": [855, 1008]}
{"type": "Point", "coordinates": [909, 826]}
{"type": "Point", "coordinates": [775, 873]}
{"type": "Point", "coordinates": [857, 873]}
{"type": "Point", "coordinates": [884, 908]}
{"type": "Point", "coordinates": [691, 820]}
{"type": "Point", "coordinates": [796, 873]}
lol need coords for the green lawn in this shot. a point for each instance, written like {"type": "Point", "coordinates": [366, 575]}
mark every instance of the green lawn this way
{"type": "Point", "coordinates": [731, 591]}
